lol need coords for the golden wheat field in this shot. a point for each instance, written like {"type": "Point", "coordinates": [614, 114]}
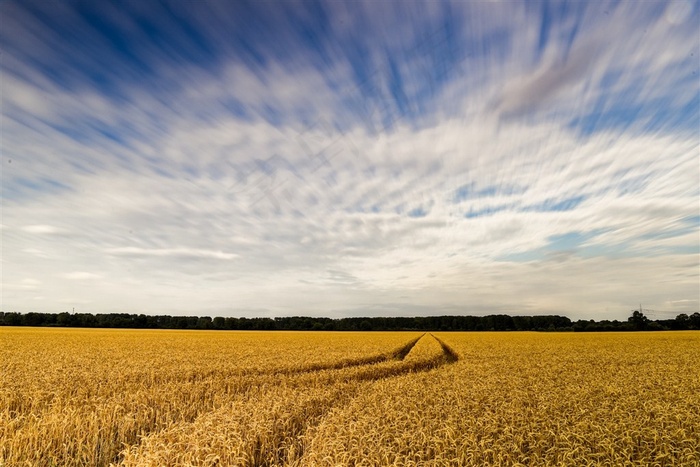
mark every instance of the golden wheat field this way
{"type": "Point", "coordinates": [80, 397]}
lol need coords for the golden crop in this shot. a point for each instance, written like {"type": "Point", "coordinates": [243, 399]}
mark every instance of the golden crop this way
{"type": "Point", "coordinates": [163, 398]}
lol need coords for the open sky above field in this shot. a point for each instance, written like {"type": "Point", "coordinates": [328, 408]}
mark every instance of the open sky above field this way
{"type": "Point", "coordinates": [350, 158]}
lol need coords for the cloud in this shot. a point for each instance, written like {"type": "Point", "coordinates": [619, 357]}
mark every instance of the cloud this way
{"type": "Point", "coordinates": [35, 252]}
{"type": "Point", "coordinates": [172, 252]}
{"type": "Point", "coordinates": [41, 229]}
{"type": "Point", "coordinates": [545, 84]}
{"type": "Point", "coordinates": [24, 284]}
{"type": "Point", "coordinates": [439, 168]}
{"type": "Point", "coordinates": [305, 220]}
{"type": "Point", "coordinates": [81, 275]}
{"type": "Point", "coordinates": [678, 12]}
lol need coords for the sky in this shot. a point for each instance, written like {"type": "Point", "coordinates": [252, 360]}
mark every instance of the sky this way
{"type": "Point", "coordinates": [339, 159]}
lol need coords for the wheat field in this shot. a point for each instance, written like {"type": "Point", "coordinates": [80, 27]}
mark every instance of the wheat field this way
{"type": "Point", "coordinates": [85, 397]}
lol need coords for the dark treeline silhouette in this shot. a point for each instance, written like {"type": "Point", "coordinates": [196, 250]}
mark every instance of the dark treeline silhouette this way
{"type": "Point", "coordinates": [636, 322]}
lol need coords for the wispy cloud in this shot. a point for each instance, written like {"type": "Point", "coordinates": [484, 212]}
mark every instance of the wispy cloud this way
{"type": "Point", "coordinates": [332, 158]}
{"type": "Point", "coordinates": [41, 229]}
{"type": "Point", "coordinates": [174, 252]}
{"type": "Point", "coordinates": [81, 275]}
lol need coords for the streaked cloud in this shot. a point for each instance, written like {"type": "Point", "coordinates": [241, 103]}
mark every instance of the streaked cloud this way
{"type": "Point", "coordinates": [334, 159]}
{"type": "Point", "coordinates": [175, 252]}
{"type": "Point", "coordinates": [81, 275]}
{"type": "Point", "coordinates": [41, 229]}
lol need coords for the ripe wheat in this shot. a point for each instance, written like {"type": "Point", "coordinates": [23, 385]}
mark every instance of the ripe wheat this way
{"type": "Point", "coordinates": [150, 398]}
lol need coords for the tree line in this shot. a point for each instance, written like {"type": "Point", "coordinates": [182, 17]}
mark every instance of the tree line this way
{"type": "Point", "coordinates": [636, 322]}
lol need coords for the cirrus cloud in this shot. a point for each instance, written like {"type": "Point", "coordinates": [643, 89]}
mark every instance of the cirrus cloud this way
{"type": "Point", "coordinates": [484, 158]}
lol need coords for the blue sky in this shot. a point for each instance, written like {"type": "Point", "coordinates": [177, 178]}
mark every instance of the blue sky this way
{"type": "Point", "coordinates": [351, 158]}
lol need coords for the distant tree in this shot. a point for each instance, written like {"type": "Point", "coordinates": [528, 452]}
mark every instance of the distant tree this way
{"type": "Point", "coordinates": [638, 320]}
{"type": "Point", "coordinates": [204, 322]}
{"type": "Point", "coordinates": [219, 322]}
{"type": "Point", "coordinates": [682, 321]}
{"type": "Point", "coordinates": [695, 321]}
{"type": "Point", "coordinates": [63, 319]}
{"type": "Point", "coordinates": [232, 323]}
{"type": "Point", "coordinates": [635, 322]}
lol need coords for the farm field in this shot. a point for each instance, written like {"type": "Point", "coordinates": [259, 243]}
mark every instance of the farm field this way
{"type": "Point", "coordinates": [83, 397]}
